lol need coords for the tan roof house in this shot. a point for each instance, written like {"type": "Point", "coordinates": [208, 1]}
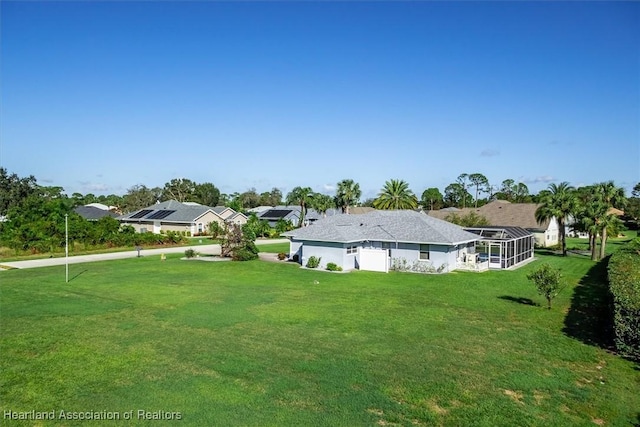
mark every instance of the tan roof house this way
{"type": "Point", "coordinates": [175, 216]}
{"type": "Point", "coordinates": [506, 214]}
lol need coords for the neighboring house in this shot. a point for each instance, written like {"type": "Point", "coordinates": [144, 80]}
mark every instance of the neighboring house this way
{"type": "Point", "coordinates": [103, 206]}
{"type": "Point", "coordinates": [237, 218]}
{"type": "Point", "coordinates": [569, 225]}
{"type": "Point", "coordinates": [287, 213]}
{"type": "Point", "coordinates": [175, 216]}
{"type": "Point", "coordinates": [379, 240]}
{"type": "Point", "coordinates": [505, 214]}
{"type": "Point", "coordinates": [92, 213]}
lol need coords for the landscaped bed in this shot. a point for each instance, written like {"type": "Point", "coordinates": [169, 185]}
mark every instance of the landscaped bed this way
{"type": "Point", "coordinates": [260, 343]}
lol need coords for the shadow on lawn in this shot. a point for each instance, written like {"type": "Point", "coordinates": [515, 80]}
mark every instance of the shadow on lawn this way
{"type": "Point", "coordinates": [590, 318]}
{"type": "Point", "coordinates": [77, 275]}
{"type": "Point", "coordinates": [519, 300]}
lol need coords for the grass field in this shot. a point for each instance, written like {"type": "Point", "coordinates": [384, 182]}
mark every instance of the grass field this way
{"type": "Point", "coordinates": [269, 344]}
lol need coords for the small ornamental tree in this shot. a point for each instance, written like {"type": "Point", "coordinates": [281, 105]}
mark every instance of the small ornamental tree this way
{"type": "Point", "coordinates": [547, 281]}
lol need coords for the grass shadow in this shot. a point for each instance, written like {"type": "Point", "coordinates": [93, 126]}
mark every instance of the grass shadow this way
{"type": "Point", "coordinates": [78, 275]}
{"type": "Point", "coordinates": [590, 318]}
{"type": "Point", "coordinates": [520, 300]}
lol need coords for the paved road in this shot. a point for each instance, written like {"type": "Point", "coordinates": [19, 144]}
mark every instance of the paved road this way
{"type": "Point", "coordinates": [47, 262]}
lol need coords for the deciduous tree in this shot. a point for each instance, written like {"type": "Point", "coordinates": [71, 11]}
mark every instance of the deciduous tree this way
{"type": "Point", "coordinates": [547, 281]}
{"type": "Point", "coordinates": [431, 199]}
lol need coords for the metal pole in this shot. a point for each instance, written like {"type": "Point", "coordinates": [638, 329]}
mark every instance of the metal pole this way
{"type": "Point", "coordinates": [66, 245]}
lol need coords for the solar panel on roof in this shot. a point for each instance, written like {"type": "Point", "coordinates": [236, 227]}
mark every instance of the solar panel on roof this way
{"type": "Point", "coordinates": [276, 213]}
{"type": "Point", "coordinates": [160, 214]}
{"type": "Point", "coordinates": [141, 213]}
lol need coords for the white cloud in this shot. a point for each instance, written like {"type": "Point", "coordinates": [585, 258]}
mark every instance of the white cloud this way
{"type": "Point", "coordinates": [329, 187]}
{"type": "Point", "coordinates": [544, 179]}
{"type": "Point", "coordinates": [489, 152]}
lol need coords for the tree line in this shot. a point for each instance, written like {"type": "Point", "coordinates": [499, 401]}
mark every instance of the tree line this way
{"type": "Point", "coordinates": [585, 205]}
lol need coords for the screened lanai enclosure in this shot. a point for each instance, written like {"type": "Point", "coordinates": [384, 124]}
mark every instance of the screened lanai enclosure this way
{"type": "Point", "coordinates": [503, 247]}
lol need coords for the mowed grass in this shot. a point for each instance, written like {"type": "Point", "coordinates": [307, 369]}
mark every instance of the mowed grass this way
{"type": "Point", "coordinates": [269, 344]}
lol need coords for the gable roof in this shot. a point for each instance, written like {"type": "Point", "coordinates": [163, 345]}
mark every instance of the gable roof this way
{"type": "Point", "coordinates": [502, 213]}
{"type": "Point", "coordinates": [386, 226]}
{"type": "Point", "coordinates": [169, 211]}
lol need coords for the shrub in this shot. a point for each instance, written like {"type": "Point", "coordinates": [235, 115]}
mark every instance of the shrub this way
{"type": "Point", "coordinates": [624, 285]}
{"type": "Point", "coordinates": [190, 253]}
{"type": "Point", "coordinates": [282, 256]}
{"type": "Point", "coordinates": [333, 267]}
{"type": "Point", "coordinates": [313, 262]}
{"type": "Point", "coordinates": [547, 281]}
{"type": "Point", "coordinates": [243, 254]}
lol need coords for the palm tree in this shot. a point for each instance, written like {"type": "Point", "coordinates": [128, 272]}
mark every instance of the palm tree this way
{"type": "Point", "coordinates": [396, 195]}
{"type": "Point", "coordinates": [322, 203]}
{"type": "Point", "coordinates": [610, 196]}
{"type": "Point", "coordinates": [347, 194]}
{"type": "Point", "coordinates": [558, 201]}
{"type": "Point", "coordinates": [300, 196]}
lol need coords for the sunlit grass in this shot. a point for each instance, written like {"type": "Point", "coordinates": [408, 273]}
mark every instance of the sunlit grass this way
{"type": "Point", "coordinates": [261, 343]}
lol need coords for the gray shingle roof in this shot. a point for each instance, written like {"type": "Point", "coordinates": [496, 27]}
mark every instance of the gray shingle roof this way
{"type": "Point", "coordinates": [390, 226]}
{"type": "Point", "coordinates": [181, 212]}
{"type": "Point", "coordinates": [92, 213]}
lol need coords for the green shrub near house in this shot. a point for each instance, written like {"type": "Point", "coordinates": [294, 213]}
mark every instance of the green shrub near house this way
{"type": "Point", "coordinates": [313, 262]}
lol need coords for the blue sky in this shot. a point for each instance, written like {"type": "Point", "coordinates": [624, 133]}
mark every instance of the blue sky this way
{"type": "Point", "coordinates": [100, 96]}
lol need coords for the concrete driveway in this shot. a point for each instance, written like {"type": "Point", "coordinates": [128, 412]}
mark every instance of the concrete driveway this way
{"type": "Point", "coordinates": [48, 262]}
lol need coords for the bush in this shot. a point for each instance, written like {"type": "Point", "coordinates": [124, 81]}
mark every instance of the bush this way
{"type": "Point", "coordinates": [547, 281]}
{"type": "Point", "coordinates": [313, 262]}
{"type": "Point", "coordinates": [333, 267]}
{"type": "Point", "coordinates": [282, 256]}
{"type": "Point", "coordinates": [624, 285]}
{"type": "Point", "coordinates": [243, 254]}
{"type": "Point", "coordinates": [190, 253]}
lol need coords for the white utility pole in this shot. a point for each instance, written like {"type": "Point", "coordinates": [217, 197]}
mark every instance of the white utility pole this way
{"type": "Point", "coordinates": [66, 245]}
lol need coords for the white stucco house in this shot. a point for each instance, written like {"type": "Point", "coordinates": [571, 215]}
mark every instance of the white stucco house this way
{"type": "Point", "coordinates": [381, 240]}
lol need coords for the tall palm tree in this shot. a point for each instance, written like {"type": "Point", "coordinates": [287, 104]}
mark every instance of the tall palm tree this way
{"type": "Point", "coordinates": [610, 196]}
{"type": "Point", "coordinates": [396, 195]}
{"type": "Point", "coordinates": [300, 196]}
{"type": "Point", "coordinates": [322, 203]}
{"type": "Point", "coordinates": [558, 201]}
{"type": "Point", "coordinates": [347, 194]}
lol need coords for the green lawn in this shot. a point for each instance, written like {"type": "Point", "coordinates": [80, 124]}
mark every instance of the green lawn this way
{"type": "Point", "coordinates": [269, 344]}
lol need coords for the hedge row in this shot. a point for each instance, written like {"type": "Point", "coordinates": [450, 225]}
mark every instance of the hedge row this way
{"type": "Point", "coordinates": [624, 284]}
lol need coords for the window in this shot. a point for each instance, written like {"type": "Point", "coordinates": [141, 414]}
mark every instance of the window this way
{"type": "Point", "coordinates": [388, 245]}
{"type": "Point", "coordinates": [352, 250]}
{"type": "Point", "coordinates": [424, 252]}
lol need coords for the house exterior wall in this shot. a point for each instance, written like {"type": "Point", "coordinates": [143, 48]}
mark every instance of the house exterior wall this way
{"type": "Point", "coordinates": [549, 237]}
{"type": "Point", "coordinates": [328, 252]}
{"type": "Point", "coordinates": [178, 226]}
{"type": "Point", "coordinates": [441, 257]}
{"type": "Point", "coordinates": [295, 248]}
